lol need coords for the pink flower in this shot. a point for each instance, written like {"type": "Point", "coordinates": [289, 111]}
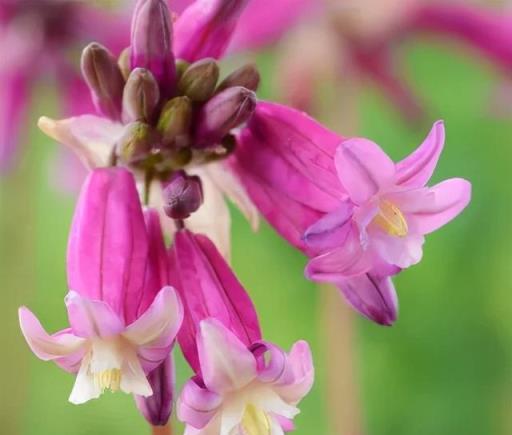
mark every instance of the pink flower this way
{"type": "Point", "coordinates": [243, 389]}
{"type": "Point", "coordinates": [35, 38]}
{"type": "Point", "coordinates": [121, 328]}
{"type": "Point", "coordinates": [389, 212]}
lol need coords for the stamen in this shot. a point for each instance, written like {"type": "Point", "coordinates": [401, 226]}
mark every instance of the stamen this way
{"type": "Point", "coordinates": [108, 380]}
{"type": "Point", "coordinates": [391, 220]}
{"type": "Point", "coordinates": [255, 421]}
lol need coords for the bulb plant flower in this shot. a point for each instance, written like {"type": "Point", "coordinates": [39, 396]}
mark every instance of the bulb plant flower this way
{"type": "Point", "coordinates": [36, 39]}
{"type": "Point", "coordinates": [121, 329]}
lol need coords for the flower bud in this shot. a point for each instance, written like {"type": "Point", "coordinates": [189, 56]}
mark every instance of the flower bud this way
{"type": "Point", "coordinates": [136, 142]}
{"type": "Point", "coordinates": [151, 46]}
{"type": "Point", "coordinates": [181, 67]}
{"type": "Point", "coordinates": [123, 62]}
{"type": "Point", "coordinates": [199, 80]}
{"type": "Point", "coordinates": [175, 120]}
{"type": "Point", "coordinates": [227, 110]}
{"type": "Point", "coordinates": [141, 96]}
{"type": "Point", "coordinates": [104, 78]}
{"type": "Point", "coordinates": [246, 76]}
{"type": "Point", "coordinates": [183, 196]}
{"type": "Point", "coordinates": [157, 408]}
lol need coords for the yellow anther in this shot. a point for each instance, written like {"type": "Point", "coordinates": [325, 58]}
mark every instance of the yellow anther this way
{"type": "Point", "coordinates": [391, 220]}
{"type": "Point", "coordinates": [108, 380]}
{"type": "Point", "coordinates": [255, 421]}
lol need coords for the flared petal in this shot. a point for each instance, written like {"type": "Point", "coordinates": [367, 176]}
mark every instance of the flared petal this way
{"type": "Point", "coordinates": [84, 388]}
{"type": "Point", "coordinates": [271, 403]}
{"type": "Point", "coordinates": [133, 377]}
{"type": "Point", "coordinates": [226, 362]}
{"type": "Point", "coordinates": [373, 297]}
{"type": "Point", "coordinates": [209, 288]}
{"type": "Point", "coordinates": [108, 246]}
{"type": "Point", "coordinates": [205, 28]}
{"type": "Point", "coordinates": [92, 319]}
{"type": "Point", "coordinates": [446, 201]}
{"type": "Point", "coordinates": [231, 417]}
{"type": "Point", "coordinates": [197, 405]}
{"type": "Point", "coordinates": [64, 348]}
{"type": "Point", "coordinates": [399, 251]}
{"type": "Point", "coordinates": [155, 331]}
{"type": "Point", "coordinates": [363, 169]}
{"type": "Point", "coordinates": [415, 170]}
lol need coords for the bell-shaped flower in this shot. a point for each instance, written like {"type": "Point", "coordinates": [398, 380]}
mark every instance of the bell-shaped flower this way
{"type": "Point", "coordinates": [118, 332]}
{"type": "Point", "coordinates": [241, 389]}
{"type": "Point", "coordinates": [208, 288]}
{"type": "Point", "coordinates": [389, 211]}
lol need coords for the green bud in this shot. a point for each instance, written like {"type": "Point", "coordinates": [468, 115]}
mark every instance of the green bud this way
{"type": "Point", "coordinates": [136, 142]}
{"type": "Point", "coordinates": [246, 76]}
{"type": "Point", "coordinates": [199, 80]}
{"type": "Point", "coordinates": [141, 96]}
{"type": "Point", "coordinates": [124, 63]}
{"type": "Point", "coordinates": [174, 122]}
{"type": "Point", "coordinates": [181, 67]}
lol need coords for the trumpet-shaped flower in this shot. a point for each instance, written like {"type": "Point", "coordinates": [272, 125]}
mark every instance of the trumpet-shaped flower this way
{"type": "Point", "coordinates": [118, 331]}
{"type": "Point", "coordinates": [241, 389]}
{"type": "Point", "coordinates": [389, 212]}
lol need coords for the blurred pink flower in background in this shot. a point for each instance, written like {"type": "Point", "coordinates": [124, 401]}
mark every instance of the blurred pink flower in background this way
{"type": "Point", "coordinates": [37, 39]}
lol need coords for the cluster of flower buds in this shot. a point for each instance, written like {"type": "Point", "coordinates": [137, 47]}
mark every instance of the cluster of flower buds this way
{"type": "Point", "coordinates": [166, 123]}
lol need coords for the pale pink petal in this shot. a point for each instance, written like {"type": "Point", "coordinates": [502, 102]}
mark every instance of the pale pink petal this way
{"type": "Point", "coordinates": [363, 169]}
{"type": "Point", "coordinates": [399, 251]}
{"type": "Point", "coordinates": [205, 28]}
{"type": "Point", "coordinates": [90, 137]}
{"type": "Point", "coordinates": [232, 414]}
{"type": "Point", "coordinates": [197, 405]}
{"type": "Point", "coordinates": [90, 318]}
{"type": "Point", "coordinates": [108, 246]}
{"type": "Point", "coordinates": [372, 296]}
{"type": "Point", "coordinates": [226, 362]}
{"type": "Point", "coordinates": [415, 170]}
{"type": "Point", "coordinates": [64, 348]}
{"type": "Point", "coordinates": [446, 201]}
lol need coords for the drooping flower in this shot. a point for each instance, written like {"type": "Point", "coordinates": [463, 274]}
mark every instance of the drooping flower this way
{"type": "Point", "coordinates": [243, 390]}
{"type": "Point", "coordinates": [35, 40]}
{"type": "Point", "coordinates": [120, 328]}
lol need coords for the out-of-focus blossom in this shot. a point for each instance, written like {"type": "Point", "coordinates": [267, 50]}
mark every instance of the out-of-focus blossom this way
{"type": "Point", "coordinates": [250, 390]}
{"type": "Point", "coordinates": [121, 328]}
{"type": "Point", "coordinates": [36, 38]}
{"type": "Point", "coordinates": [343, 202]}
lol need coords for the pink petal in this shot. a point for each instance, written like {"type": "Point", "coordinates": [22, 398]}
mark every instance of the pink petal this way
{"type": "Point", "coordinates": [197, 405]}
{"type": "Point", "coordinates": [226, 363]}
{"type": "Point", "coordinates": [64, 348]}
{"type": "Point", "coordinates": [209, 288]}
{"type": "Point", "coordinates": [108, 247]}
{"type": "Point", "coordinates": [399, 251]}
{"type": "Point", "coordinates": [292, 153]}
{"type": "Point", "coordinates": [416, 169]}
{"type": "Point", "coordinates": [205, 28]}
{"type": "Point", "coordinates": [155, 331]}
{"type": "Point", "coordinates": [278, 19]}
{"type": "Point", "coordinates": [331, 230]}
{"type": "Point", "coordinates": [348, 259]}
{"type": "Point", "coordinates": [90, 318]}
{"type": "Point", "coordinates": [299, 375]}
{"type": "Point", "coordinates": [446, 201]}
{"type": "Point", "coordinates": [363, 169]}
{"type": "Point", "coordinates": [373, 297]}
{"type": "Point", "coordinates": [90, 137]}
{"type": "Point", "coordinates": [271, 361]}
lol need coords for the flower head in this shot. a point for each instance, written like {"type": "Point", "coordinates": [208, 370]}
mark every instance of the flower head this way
{"type": "Point", "coordinates": [246, 390]}
{"type": "Point", "coordinates": [121, 328]}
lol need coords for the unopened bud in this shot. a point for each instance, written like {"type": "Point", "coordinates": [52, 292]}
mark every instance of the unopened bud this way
{"type": "Point", "coordinates": [141, 96]}
{"type": "Point", "coordinates": [246, 76]}
{"type": "Point", "coordinates": [104, 78]}
{"type": "Point", "coordinates": [181, 67]}
{"type": "Point", "coordinates": [136, 142]}
{"type": "Point", "coordinates": [175, 120]}
{"type": "Point", "coordinates": [182, 196]}
{"type": "Point", "coordinates": [199, 80]}
{"type": "Point", "coordinates": [151, 45]}
{"type": "Point", "coordinates": [123, 62]}
{"type": "Point", "coordinates": [224, 112]}
{"type": "Point", "coordinates": [157, 408]}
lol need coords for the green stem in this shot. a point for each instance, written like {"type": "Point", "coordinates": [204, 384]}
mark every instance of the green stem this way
{"type": "Point", "coordinates": [148, 179]}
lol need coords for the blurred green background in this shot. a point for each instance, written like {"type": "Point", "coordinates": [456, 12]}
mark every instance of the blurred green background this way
{"type": "Point", "coordinates": [444, 368]}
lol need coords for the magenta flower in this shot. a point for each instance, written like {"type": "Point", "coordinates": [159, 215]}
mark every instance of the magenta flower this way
{"type": "Point", "coordinates": [35, 38]}
{"type": "Point", "coordinates": [120, 328]}
{"type": "Point", "coordinates": [243, 390]}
